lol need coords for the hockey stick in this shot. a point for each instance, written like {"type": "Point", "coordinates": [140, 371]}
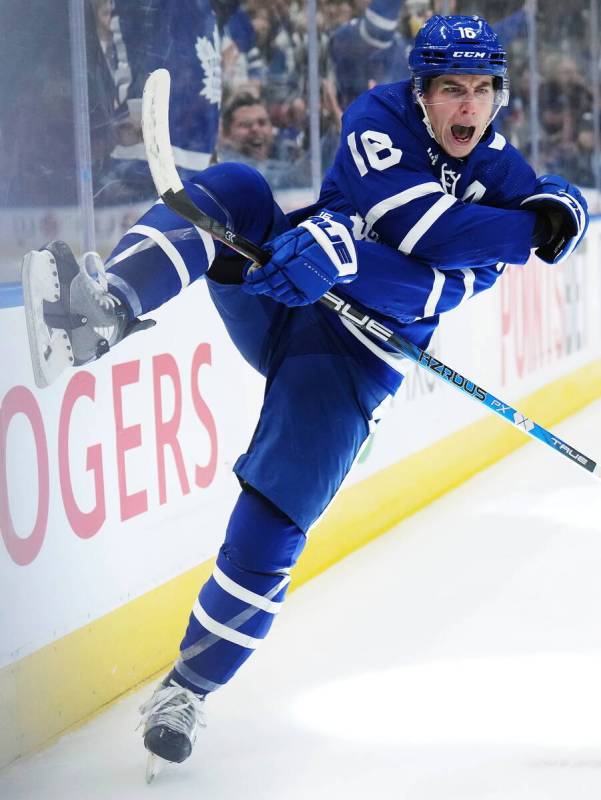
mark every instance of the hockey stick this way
{"type": "Point", "coordinates": [155, 124]}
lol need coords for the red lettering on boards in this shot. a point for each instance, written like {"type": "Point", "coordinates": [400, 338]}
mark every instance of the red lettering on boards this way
{"type": "Point", "coordinates": [129, 436]}
{"type": "Point", "coordinates": [165, 366]}
{"type": "Point", "coordinates": [126, 438]}
{"type": "Point", "coordinates": [84, 524]}
{"type": "Point", "coordinates": [203, 476]}
{"type": "Point", "coordinates": [20, 400]}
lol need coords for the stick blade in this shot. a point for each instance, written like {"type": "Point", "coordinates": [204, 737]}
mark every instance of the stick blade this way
{"type": "Point", "coordinates": [155, 129]}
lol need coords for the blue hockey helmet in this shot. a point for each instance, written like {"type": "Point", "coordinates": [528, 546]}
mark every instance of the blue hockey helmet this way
{"type": "Point", "coordinates": [458, 45]}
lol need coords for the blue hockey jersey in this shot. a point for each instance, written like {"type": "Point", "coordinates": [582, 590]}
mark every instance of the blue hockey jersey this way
{"type": "Point", "coordinates": [449, 224]}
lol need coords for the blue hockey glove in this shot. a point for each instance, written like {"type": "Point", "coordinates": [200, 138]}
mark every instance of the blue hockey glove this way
{"type": "Point", "coordinates": [565, 217]}
{"type": "Point", "coordinates": [306, 261]}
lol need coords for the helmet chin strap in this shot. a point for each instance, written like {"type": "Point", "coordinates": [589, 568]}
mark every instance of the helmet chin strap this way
{"type": "Point", "coordinates": [426, 119]}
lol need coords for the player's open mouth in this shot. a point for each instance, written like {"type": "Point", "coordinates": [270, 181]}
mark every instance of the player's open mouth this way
{"type": "Point", "coordinates": [462, 133]}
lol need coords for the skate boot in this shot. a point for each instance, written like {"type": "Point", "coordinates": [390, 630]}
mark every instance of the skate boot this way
{"type": "Point", "coordinates": [71, 317]}
{"type": "Point", "coordinates": [171, 721]}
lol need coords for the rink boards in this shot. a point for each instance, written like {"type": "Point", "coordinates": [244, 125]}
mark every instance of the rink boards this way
{"type": "Point", "coordinates": [116, 483]}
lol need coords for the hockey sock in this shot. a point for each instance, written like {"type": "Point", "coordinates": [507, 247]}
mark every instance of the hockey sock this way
{"type": "Point", "coordinates": [237, 605]}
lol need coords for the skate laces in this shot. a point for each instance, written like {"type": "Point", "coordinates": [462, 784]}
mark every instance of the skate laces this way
{"type": "Point", "coordinates": [98, 285]}
{"type": "Point", "coordinates": [175, 707]}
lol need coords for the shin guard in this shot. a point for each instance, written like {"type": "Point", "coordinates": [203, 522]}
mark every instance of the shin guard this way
{"type": "Point", "coordinates": [237, 605]}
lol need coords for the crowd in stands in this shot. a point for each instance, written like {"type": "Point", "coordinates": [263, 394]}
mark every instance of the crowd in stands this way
{"type": "Point", "coordinates": [260, 90]}
{"type": "Point", "coordinates": [364, 42]}
{"type": "Point", "coordinates": [565, 79]}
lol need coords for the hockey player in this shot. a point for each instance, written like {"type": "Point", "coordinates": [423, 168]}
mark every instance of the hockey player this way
{"type": "Point", "coordinates": [437, 203]}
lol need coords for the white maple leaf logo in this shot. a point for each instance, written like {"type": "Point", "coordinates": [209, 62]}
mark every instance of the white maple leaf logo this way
{"type": "Point", "coordinates": [209, 55]}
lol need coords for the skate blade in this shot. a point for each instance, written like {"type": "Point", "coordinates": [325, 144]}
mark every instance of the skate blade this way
{"type": "Point", "coordinates": [50, 349]}
{"type": "Point", "coordinates": [154, 765]}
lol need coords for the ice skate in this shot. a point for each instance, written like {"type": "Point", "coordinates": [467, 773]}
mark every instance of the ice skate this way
{"type": "Point", "coordinates": [171, 721]}
{"type": "Point", "coordinates": [71, 316]}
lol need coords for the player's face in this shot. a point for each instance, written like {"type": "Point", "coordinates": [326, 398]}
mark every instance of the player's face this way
{"type": "Point", "coordinates": [459, 108]}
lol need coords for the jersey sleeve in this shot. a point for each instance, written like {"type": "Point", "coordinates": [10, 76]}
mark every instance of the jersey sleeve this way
{"type": "Point", "coordinates": [509, 179]}
{"type": "Point", "coordinates": [383, 170]}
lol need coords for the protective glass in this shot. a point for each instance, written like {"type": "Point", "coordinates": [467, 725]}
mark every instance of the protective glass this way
{"type": "Point", "coordinates": [450, 92]}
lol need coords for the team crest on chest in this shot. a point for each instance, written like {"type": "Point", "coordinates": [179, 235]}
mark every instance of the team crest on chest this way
{"type": "Point", "coordinates": [449, 179]}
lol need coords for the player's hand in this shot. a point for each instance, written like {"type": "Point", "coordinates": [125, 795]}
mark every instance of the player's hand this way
{"type": "Point", "coordinates": [306, 261]}
{"type": "Point", "coordinates": [565, 217]}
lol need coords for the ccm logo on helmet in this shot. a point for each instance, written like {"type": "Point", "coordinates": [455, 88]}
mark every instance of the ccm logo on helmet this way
{"type": "Point", "coordinates": [468, 54]}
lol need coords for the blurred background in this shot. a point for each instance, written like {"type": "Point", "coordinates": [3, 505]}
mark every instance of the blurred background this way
{"type": "Point", "coordinates": [262, 81]}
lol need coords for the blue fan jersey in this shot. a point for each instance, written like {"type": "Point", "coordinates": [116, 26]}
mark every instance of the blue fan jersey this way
{"type": "Point", "coordinates": [184, 37]}
{"type": "Point", "coordinates": [449, 224]}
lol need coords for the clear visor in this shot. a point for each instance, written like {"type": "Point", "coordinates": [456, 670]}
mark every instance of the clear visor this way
{"type": "Point", "coordinates": [450, 93]}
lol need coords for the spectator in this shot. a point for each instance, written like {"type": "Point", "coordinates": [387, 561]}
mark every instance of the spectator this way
{"type": "Point", "coordinates": [581, 166]}
{"type": "Point", "coordinates": [414, 14]}
{"type": "Point", "coordinates": [247, 129]}
{"type": "Point", "coordinates": [292, 137]}
{"type": "Point", "coordinates": [249, 136]}
{"type": "Point", "coordinates": [278, 46]}
{"type": "Point", "coordinates": [241, 59]}
{"type": "Point", "coordinates": [103, 12]}
{"type": "Point", "coordinates": [111, 42]}
{"type": "Point", "coordinates": [185, 37]}
{"type": "Point", "coordinates": [330, 123]}
{"type": "Point", "coordinates": [368, 50]}
{"type": "Point", "coordinates": [564, 98]}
